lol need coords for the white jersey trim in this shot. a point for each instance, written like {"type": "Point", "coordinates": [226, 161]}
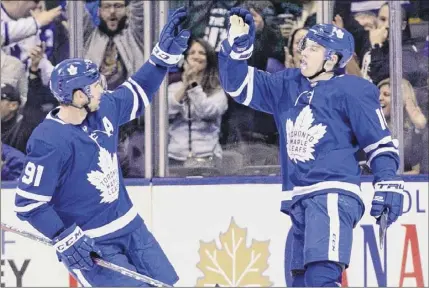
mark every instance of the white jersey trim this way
{"type": "Point", "coordinates": [113, 226]}
{"type": "Point", "coordinates": [238, 55]}
{"type": "Point", "coordinates": [33, 196]}
{"type": "Point", "coordinates": [50, 117]}
{"type": "Point", "coordinates": [334, 227]}
{"type": "Point", "coordinates": [28, 207]}
{"type": "Point", "coordinates": [249, 94]}
{"type": "Point", "coordinates": [302, 190]}
{"type": "Point", "coordinates": [242, 86]}
{"type": "Point", "coordinates": [135, 100]}
{"type": "Point", "coordinates": [81, 278]}
{"type": "Point", "coordinates": [371, 147]}
{"type": "Point", "coordinates": [141, 92]}
{"type": "Point", "coordinates": [379, 151]}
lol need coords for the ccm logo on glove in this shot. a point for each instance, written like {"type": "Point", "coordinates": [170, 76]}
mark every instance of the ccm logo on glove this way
{"type": "Point", "coordinates": [67, 242]}
{"type": "Point", "coordinates": [160, 54]}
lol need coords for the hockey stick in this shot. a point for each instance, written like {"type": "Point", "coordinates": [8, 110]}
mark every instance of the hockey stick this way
{"type": "Point", "coordinates": [97, 260]}
{"type": "Point", "coordinates": [383, 226]}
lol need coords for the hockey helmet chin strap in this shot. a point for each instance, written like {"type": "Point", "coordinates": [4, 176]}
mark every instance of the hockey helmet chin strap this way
{"type": "Point", "coordinates": [328, 56]}
{"type": "Point", "coordinates": [321, 71]}
{"type": "Point", "coordinates": [85, 106]}
{"type": "Point", "coordinates": [87, 91]}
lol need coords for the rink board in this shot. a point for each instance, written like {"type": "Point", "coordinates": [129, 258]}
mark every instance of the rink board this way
{"type": "Point", "coordinates": [216, 231]}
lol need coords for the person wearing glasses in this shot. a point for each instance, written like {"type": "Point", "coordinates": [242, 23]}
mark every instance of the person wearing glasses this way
{"type": "Point", "coordinates": [113, 38]}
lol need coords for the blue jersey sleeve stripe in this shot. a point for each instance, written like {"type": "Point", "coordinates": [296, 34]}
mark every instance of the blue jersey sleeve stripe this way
{"type": "Point", "coordinates": [241, 88]}
{"type": "Point", "coordinates": [133, 114]}
{"type": "Point", "coordinates": [32, 196]}
{"type": "Point", "coordinates": [29, 207]}
{"type": "Point", "coordinates": [250, 85]}
{"type": "Point", "coordinates": [141, 92]}
{"type": "Point", "coordinates": [380, 151]}
{"type": "Point", "coordinates": [373, 146]}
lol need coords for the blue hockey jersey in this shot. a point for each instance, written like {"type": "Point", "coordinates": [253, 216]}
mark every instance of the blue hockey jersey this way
{"type": "Point", "coordinates": [321, 126]}
{"type": "Point", "coordinates": [72, 174]}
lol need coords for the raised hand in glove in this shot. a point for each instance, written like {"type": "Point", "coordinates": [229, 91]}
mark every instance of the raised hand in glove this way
{"type": "Point", "coordinates": [168, 51]}
{"type": "Point", "coordinates": [388, 196]}
{"type": "Point", "coordinates": [241, 34]}
{"type": "Point", "coordinates": [74, 248]}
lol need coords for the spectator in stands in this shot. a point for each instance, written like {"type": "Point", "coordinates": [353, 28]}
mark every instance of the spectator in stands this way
{"type": "Point", "coordinates": [9, 108]}
{"type": "Point", "coordinates": [18, 120]}
{"type": "Point", "coordinates": [368, 20]}
{"type": "Point", "coordinates": [414, 123]}
{"type": "Point", "coordinates": [377, 66]}
{"type": "Point", "coordinates": [12, 162]}
{"type": "Point", "coordinates": [196, 105]}
{"type": "Point", "coordinates": [293, 56]}
{"type": "Point", "coordinates": [21, 32]}
{"type": "Point", "coordinates": [13, 73]}
{"type": "Point", "coordinates": [114, 41]}
{"type": "Point", "coordinates": [56, 34]}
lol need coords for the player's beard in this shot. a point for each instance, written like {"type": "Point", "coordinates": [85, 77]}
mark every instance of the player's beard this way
{"type": "Point", "coordinates": [122, 23]}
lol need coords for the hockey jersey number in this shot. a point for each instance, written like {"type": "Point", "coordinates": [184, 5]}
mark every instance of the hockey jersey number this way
{"type": "Point", "coordinates": [32, 174]}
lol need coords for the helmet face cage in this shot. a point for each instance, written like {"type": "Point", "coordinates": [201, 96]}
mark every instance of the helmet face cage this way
{"type": "Point", "coordinates": [301, 44]}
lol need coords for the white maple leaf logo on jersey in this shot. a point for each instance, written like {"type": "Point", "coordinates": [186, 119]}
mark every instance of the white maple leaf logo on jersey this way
{"type": "Point", "coordinates": [107, 178]}
{"type": "Point", "coordinates": [302, 136]}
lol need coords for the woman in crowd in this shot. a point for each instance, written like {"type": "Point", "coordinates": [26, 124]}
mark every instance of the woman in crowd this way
{"type": "Point", "coordinates": [196, 105]}
{"type": "Point", "coordinates": [414, 123]}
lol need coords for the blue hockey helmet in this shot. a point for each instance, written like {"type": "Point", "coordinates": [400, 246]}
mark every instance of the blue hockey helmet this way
{"type": "Point", "coordinates": [70, 75]}
{"type": "Point", "coordinates": [336, 41]}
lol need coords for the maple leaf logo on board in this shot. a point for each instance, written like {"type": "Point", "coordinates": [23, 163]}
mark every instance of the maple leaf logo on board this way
{"type": "Point", "coordinates": [234, 264]}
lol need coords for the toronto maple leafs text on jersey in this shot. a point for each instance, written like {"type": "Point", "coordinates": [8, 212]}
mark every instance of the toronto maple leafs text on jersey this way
{"type": "Point", "coordinates": [302, 136]}
{"type": "Point", "coordinates": [72, 173]}
{"type": "Point", "coordinates": [321, 126]}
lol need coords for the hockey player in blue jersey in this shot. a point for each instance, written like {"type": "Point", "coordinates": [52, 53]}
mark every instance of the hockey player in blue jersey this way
{"type": "Point", "coordinates": [323, 118]}
{"type": "Point", "coordinates": [72, 189]}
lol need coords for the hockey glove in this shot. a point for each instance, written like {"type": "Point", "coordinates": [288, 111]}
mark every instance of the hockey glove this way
{"type": "Point", "coordinates": [241, 35]}
{"type": "Point", "coordinates": [388, 195]}
{"type": "Point", "coordinates": [168, 51]}
{"type": "Point", "coordinates": [74, 248]}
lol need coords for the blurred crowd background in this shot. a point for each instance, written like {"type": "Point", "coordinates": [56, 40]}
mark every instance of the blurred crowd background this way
{"type": "Point", "coordinates": [207, 133]}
